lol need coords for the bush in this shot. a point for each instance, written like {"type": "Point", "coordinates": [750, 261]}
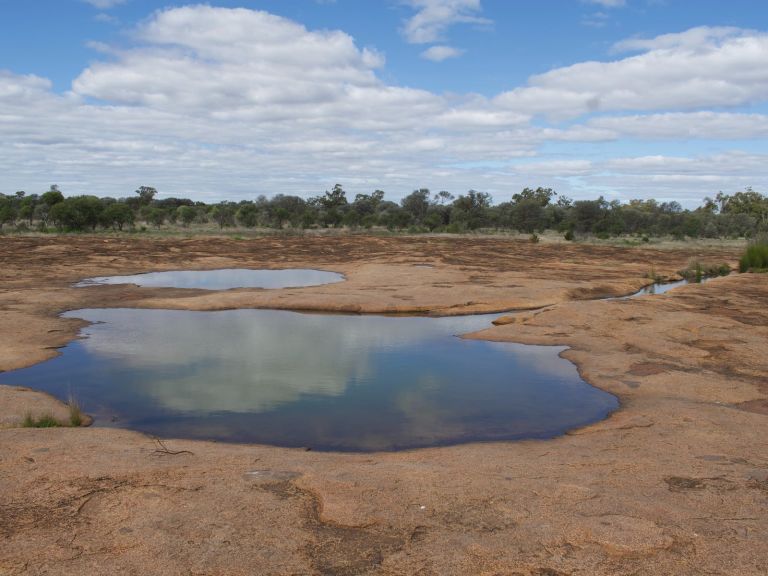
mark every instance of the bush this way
{"type": "Point", "coordinates": [534, 238]}
{"type": "Point", "coordinates": [569, 236]}
{"type": "Point", "coordinates": [756, 256]}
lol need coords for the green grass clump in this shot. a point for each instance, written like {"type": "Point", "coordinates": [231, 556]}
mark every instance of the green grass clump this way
{"type": "Point", "coordinates": [697, 270]}
{"type": "Point", "coordinates": [75, 414]}
{"type": "Point", "coordinates": [653, 275]}
{"type": "Point", "coordinates": [755, 259]}
{"type": "Point", "coordinates": [44, 421]}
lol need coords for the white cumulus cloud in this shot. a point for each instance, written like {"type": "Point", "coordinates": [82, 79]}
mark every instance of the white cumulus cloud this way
{"type": "Point", "coordinates": [215, 103]}
{"type": "Point", "coordinates": [697, 69]}
{"type": "Point", "coordinates": [440, 53]}
{"type": "Point", "coordinates": [104, 4]}
{"type": "Point", "coordinates": [607, 3]}
{"type": "Point", "coordinates": [434, 17]}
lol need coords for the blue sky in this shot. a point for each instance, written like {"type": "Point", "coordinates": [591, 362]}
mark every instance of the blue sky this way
{"type": "Point", "coordinates": [625, 98]}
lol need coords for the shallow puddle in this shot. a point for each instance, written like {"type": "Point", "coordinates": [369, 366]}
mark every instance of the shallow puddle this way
{"type": "Point", "coordinates": [328, 382]}
{"type": "Point", "coordinates": [222, 279]}
{"type": "Point", "coordinates": [659, 288]}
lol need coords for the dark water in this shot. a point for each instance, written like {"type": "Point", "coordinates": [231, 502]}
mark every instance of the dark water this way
{"type": "Point", "coordinates": [223, 279]}
{"type": "Point", "coordinates": [329, 382]}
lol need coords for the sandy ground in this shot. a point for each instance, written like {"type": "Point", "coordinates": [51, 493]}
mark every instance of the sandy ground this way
{"type": "Point", "coordinates": [675, 482]}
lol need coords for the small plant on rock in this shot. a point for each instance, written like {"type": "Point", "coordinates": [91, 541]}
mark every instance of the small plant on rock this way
{"type": "Point", "coordinates": [45, 421]}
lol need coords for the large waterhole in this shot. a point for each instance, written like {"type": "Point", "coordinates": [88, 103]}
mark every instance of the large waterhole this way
{"type": "Point", "coordinates": [320, 381]}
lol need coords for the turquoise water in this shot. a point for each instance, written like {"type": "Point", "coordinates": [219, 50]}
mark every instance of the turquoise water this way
{"type": "Point", "coordinates": [222, 279]}
{"type": "Point", "coordinates": [327, 382]}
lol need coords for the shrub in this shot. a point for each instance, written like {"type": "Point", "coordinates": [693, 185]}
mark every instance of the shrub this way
{"type": "Point", "coordinates": [534, 238]}
{"type": "Point", "coordinates": [755, 258]}
{"type": "Point", "coordinates": [569, 236]}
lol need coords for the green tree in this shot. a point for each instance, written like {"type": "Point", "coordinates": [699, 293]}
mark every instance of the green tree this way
{"type": "Point", "coordinates": [156, 216]}
{"type": "Point", "coordinates": [27, 208]}
{"type": "Point", "coordinates": [223, 214]}
{"type": "Point", "coordinates": [247, 215]}
{"type": "Point", "coordinates": [529, 215]}
{"type": "Point", "coordinates": [52, 196]}
{"type": "Point", "coordinates": [146, 195]}
{"type": "Point", "coordinates": [471, 211]}
{"type": "Point", "coordinates": [416, 204]}
{"type": "Point", "coordinates": [117, 215]}
{"type": "Point", "coordinates": [332, 206]}
{"type": "Point", "coordinates": [77, 213]}
{"type": "Point", "coordinates": [7, 211]}
{"type": "Point", "coordinates": [541, 196]}
{"type": "Point", "coordinates": [747, 202]}
{"type": "Point", "coordinates": [589, 215]}
{"type": "Point", "coordinates": [186, 214]}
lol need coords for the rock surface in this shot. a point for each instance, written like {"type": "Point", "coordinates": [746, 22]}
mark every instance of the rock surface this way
{"type": "Point", "coordinates": [673, 483]}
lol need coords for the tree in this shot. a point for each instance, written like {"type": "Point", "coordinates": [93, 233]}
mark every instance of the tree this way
{"type": "Point", "coordinates": [27, 208]}
{"type": "Point", "coordinates": [146, 195]}
{"type": "Point", "coordinates": [7, 212]}
{"type": "Point", "coordinates": [541, 196]}
{"type": "Point", "coordinates": [471, 211]}
{"type": "Point", "coordinates": [416, 204]}
{"type": "Point", "coordinates": [529, 215]}
{"type": "Point", "coordinates": [156, 216]}
{"type": "Point", "coordinates": [224, 214]}
{"type": "Point", "coordinates": [367, 204]}
{"type": "Point", "coordinates": [335, 198]}
{"type": "Point", "coordinates": [117, 215]}
{"type": "Point", "coordinates": [443, 197]}
{"type": "Point", "coordinates": [77, 213]}
{"type": "Point", "coordinates": [332, 204]}
{"type": "Point", "coordinates": [53, 196]}
{"type": "Point", "coordinates": [747, 202]}
{"type": "Point", "coordinates": [588, 215]}
{"type": "Point", "coordinates": [247, 215]}
{"type": "Point", "coordinates": [186, 214]}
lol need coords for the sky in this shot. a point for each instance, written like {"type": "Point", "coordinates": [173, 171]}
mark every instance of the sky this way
{"type": "Point", "coordinates": [664, 99]}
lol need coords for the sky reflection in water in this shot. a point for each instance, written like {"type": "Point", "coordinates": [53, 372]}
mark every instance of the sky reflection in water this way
{"type": "Point", "coordinates": [329, 382]}
{"type": "Point", "coordinates": [222, 279]}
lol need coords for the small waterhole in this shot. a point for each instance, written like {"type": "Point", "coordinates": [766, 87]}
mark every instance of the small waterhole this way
{"type": "Point", "coordinates": [222, 279]}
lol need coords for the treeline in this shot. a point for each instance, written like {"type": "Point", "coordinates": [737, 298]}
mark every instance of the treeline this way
{"type": "Point", "coordinates": [741, 214]}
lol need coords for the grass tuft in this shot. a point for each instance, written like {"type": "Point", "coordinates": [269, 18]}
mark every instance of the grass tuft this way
{"type": "Point", "coordinates": [75, 414]}
{"type": "Point", "coordinates": [45, 421]}
{"type": "Point", "coordinates": [697, 270]}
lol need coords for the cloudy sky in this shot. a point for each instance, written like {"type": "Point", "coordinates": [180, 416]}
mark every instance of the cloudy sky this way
{"type": "Point", "coordinates": [229, 100]}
